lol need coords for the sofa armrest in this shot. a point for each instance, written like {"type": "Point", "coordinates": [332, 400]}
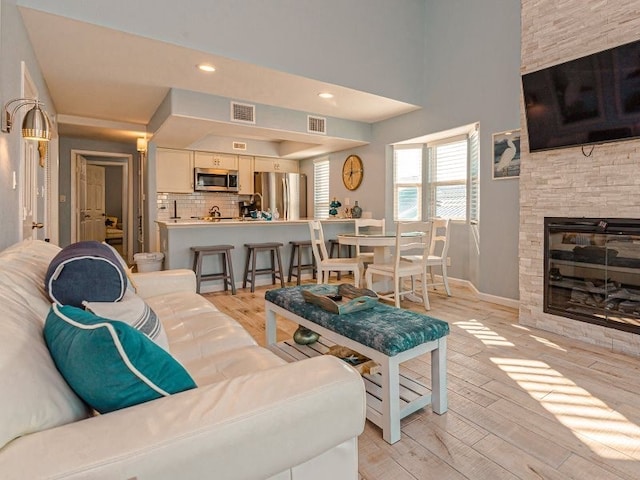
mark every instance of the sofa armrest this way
{"type": "Point", "coordinates": [149, 284]}
{"type": "Point", "coordinates": [253, 426]}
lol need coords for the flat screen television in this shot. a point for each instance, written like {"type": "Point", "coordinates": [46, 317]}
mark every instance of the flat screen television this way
{"type": "Point", "coordinates": [589, 100]}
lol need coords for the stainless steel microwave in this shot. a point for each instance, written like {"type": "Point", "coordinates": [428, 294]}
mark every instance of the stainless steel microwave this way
{"type": "Point", "coordinates": [215, 180]}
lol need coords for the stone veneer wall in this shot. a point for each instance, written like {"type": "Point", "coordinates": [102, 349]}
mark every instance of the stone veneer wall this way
{"type": "Point", "coordinates": [564, 182]}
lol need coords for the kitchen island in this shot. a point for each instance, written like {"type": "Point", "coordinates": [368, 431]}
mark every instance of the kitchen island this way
{"type": "Point", "coordinates": [178, 236]}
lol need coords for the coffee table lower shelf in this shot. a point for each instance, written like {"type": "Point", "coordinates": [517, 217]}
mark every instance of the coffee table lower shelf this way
{"type": "Point", "coordinates": [413, 394]}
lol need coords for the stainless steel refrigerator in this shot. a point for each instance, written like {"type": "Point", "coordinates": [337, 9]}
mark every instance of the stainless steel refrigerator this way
{"type": "Point", "coordinates": [286, 192]}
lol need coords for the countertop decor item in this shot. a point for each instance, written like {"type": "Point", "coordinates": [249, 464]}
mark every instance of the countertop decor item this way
{"type": "Point", "coordinates": [335, 204]}
{"type": "Point", "coordinates": [356, 211]}
{"type": "Point", "coordinates": [352, 172]}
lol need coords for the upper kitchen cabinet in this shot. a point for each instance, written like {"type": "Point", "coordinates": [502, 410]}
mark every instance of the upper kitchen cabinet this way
{"type": "Point", "coordinates": [245, 175]}
{"type": "Point", "coordinates": [265, 164]}
{"type": "Point", "coordinates": [174, 170]}
{"type": "Point", "coordinates": [216, 160]}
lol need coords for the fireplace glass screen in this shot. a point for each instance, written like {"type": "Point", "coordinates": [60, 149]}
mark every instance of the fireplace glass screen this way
{"type": "Point", "coordinates": [592, 270]}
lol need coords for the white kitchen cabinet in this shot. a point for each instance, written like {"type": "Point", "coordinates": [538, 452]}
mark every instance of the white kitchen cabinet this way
{"type": "Point", "coordinates": [266, 164]}
{"type": "Point", "coordinates": [224, 161]}
{"type": "Point", "coordinates": [245, 175]}
{"type": "Point", "coordinates": [174, 170]}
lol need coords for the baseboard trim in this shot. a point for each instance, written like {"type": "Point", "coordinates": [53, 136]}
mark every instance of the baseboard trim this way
{"type": "Point", "coordinates": [485, 297]}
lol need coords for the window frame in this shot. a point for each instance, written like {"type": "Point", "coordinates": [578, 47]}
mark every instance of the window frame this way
{"type": "Point", "coordinates": [418, 185]}
{"type": "Point", "coordinates": [433, 183]}
{"type": "Point", "coordinates": [321, 187]}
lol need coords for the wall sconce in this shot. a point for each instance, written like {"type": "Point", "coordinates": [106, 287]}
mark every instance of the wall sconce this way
{"type": "Point", "coordinates": [141, 144]}
{"type": "Point", "coordinates": [35, 125]}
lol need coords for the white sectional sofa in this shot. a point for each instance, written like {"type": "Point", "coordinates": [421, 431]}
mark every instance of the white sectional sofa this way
{"type": "Point", "coordinates": [252, 416]}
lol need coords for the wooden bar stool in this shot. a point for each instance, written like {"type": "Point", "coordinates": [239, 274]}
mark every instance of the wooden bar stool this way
{"type": "Point", "coordinates": [227, 268]}
{"type": "Point", "coordinates": [296, 270]}
{"type": "Point", "coordinates": [252, 253]}
{"type": "Point", "coordinates": [335, 245]}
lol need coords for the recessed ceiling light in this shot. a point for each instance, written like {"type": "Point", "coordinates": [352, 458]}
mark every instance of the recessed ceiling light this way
{"type": "Point", "coordinates": [205, 67]}
{"type": "Point", "coordinates": [325, 95]}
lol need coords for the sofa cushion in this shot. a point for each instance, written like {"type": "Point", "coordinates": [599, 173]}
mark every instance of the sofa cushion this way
{"type": "Point", "coordinates": [133, 311]}
{"type": "Point", "coordinates": [109, 364]}
{"type": "Point", "coordinates": [85, 271]}
{"type": "Point", "coordinates": [34, 395]}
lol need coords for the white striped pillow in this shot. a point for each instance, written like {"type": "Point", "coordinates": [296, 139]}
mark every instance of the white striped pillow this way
{"type": "Point", "coordinates": [134, 311]}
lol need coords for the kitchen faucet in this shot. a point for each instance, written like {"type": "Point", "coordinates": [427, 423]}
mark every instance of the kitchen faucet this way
{"type": "Point", "coordinates": [214, 211]}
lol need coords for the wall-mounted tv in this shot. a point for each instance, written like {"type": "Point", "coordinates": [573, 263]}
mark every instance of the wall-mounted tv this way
{"type": "Point", "coordinates": [593, 99]}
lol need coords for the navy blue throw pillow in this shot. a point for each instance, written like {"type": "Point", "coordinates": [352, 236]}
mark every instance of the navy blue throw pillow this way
{"type": "Point", "coordinates": [87, 271]}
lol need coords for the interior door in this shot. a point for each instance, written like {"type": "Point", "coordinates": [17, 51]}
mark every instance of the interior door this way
{"type": "Point", "coordinates": [94, 208]}
{"type": "Point", "coordinates": [30, 224]}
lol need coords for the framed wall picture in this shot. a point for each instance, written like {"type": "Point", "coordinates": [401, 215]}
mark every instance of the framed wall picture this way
{"type": "Point", "coordinates": [506, 154]}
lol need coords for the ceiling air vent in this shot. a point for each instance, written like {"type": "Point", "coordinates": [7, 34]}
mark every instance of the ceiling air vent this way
{"type": "Point", "coordinates": [242, 112]}
{"type": "Point", "coordinates": [316, 124]}
{"type": "Point", "coordinates": [239, 146]}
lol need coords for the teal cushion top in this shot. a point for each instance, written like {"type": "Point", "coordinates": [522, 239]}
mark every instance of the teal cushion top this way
{"type": "Point", "coordinates": [384, 328]}
{"type": "Point", "coordinates": [109, 364]}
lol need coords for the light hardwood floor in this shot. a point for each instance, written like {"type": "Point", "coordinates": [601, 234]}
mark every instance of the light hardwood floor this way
{"type": "Point", "coordinates": [523, 403]}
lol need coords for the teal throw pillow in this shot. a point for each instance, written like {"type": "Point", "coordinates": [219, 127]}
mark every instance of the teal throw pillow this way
{"type": "Point", "coordinates": [109, 364]}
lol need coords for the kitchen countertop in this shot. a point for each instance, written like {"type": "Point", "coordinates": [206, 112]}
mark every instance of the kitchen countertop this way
{"type": "Point", "coordinates": [194, 222]}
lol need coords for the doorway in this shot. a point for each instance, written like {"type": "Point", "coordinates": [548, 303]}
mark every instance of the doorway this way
{"type": "Point", "coordinates": [96, 178]}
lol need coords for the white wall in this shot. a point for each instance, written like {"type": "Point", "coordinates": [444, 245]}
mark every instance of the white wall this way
{"type": "Point", "coordinates": [14, 48]}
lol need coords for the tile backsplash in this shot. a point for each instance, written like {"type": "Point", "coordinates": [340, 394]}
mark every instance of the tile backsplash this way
{"type": "Point", "coordinates": [198, 204]}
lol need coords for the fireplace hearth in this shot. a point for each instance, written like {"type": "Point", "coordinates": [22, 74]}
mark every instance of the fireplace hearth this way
{"type": "Point", "coordinates": [592, 270]}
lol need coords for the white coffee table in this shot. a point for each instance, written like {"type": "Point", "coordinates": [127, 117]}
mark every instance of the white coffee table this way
{"type": "Point", "coordinates": [390, 395]}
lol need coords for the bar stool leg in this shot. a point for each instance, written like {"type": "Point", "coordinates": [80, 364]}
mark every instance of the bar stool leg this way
{"type": "Point", "coordinates": [253, 271]}
{"type": "Point", "coordinates": [197, 261]}
{"type": "Point", "coordinates": [246, 268]}
{"type": "Point", "coordinates": [224, 271]}
{"type": "Point", "coordinates": [279, 267]}
{"type": "Point", "coordinates": [230, 268]}
{"type": "Point", "coordinates": [293, 253]}
{"type": "Point", "coordinates": [299, 270]}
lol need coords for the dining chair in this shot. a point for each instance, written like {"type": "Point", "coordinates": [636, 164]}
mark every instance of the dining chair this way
{"type": "Point", "coordinates": [325, 264]}
{"type": "Point", "coordinates": [437, 252]}
{"type": "Point", "coordinates": [411, 237]}
{"type": "Point", "coordinates": [372, 225]}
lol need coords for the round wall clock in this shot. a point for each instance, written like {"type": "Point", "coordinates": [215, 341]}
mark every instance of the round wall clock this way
{"type": "Point", "coordinates": [352, 172]}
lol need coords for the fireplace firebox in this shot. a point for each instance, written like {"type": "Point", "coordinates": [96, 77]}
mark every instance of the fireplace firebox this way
{"type": "Point", "coordinates": [592, 270]}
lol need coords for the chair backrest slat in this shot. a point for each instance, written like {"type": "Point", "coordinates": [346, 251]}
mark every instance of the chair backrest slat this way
{"type": "Point", "coordinates": [418, 244]}
{"type": "Point", "coordinates": [440, 237]}
{"type": "Point", "coordinates": [317, 241]}
{"type": "Point", "coordinates": [373, 225]}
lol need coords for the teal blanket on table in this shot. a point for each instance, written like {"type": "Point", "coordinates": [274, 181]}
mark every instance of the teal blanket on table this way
{"type": "Point", "coordinates": [384, 328]}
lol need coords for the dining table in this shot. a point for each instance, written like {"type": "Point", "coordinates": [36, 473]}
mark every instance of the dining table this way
{"type": "Point", "coordinates": [382, 244]}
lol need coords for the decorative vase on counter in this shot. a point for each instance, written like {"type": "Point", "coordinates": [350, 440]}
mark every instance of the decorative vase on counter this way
{"type": "Point", "coordinates": [356, 211]}
{"type": "Point", "coordinates": [335, 204]}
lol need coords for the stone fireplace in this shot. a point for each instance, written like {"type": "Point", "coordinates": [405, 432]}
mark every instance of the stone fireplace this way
{"type": "Point", "coordinates": [592, 271]}
{"type": "Point", "coordinates": [566, 182]}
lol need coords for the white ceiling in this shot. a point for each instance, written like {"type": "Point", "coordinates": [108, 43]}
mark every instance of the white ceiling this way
{"type": "Point", "coordinates": [107, 84]}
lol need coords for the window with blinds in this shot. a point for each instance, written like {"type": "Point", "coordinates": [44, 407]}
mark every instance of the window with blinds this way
{"type": "Point", "coordinates": [438, 178]}
{"type": "Point", "coordinates": [447, 178]}
{"type": "Point", "coordinates": [407, 183]}
{"type": "Point", "coordinates": [321, 188]}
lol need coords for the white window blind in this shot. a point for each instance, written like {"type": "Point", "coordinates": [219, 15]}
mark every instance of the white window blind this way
{"type": "Point", "coordinates": [447, 178]}
{"type": "Point", "coordinates": [407, 183]}
{"type": "Point", "coordinates": [474, 176]}
{"type": "Point", "coordinates": [321, 188]}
